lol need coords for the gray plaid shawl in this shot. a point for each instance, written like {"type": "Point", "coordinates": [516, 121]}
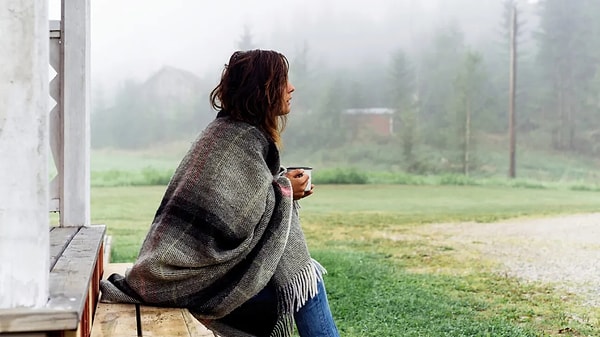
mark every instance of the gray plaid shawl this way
{"type": "Point", "coordinates": [226, 228]}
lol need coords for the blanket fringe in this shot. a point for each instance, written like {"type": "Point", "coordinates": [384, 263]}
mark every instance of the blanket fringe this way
{"type": "Point", "coordinates": [284, 326]}
{"type": "Point", "coordinates": [293, 296]}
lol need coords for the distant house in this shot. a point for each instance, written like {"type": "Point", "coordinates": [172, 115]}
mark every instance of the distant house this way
{"type": "Point", "coordinates": [179, 100]}
{"type": "Point", "coordinates": [171, 105]}
{"type": "Point", "coordinates": [377, 121]}
{"type": "Point", "coordinates": [171, 86]}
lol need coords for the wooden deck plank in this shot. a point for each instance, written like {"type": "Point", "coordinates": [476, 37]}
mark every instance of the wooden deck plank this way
{"type": "Point", "coordinates": [163, 322]}
{"type": "Point", "coordinates": [118, 320]}
{"type": "Point", "coordinates": [114, 320]}
{"type": "Point", "coordinates": [26, 319]}
{"type": "Point", "coordinates": [195, 328]}
{"type": "Point", "coordinates": [59, 240]}
{"type": "Point", "coordinates": [70, 278]}
{"type": "Point", "coordinates": [69, 286]}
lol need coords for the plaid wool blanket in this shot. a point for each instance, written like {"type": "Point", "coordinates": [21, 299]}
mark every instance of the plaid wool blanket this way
{"type": "Point", "coordinates": [226, 228]}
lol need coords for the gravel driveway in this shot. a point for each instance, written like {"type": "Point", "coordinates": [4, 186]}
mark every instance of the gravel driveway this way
{"type": "Point", "coordinates": [564, 251]}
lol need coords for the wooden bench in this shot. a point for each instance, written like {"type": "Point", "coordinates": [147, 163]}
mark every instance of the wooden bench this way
{"type": "Point", "coordinates": [76, 266]}
{"type": "Point", "coordinates": [129, 320]}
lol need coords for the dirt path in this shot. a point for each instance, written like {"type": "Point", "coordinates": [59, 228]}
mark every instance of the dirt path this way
{"type": "Point", "coordinates": [564, 251]}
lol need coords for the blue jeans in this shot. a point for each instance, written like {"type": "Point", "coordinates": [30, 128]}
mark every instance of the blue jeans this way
{"type": "Point", "coordinates": [314, 319]}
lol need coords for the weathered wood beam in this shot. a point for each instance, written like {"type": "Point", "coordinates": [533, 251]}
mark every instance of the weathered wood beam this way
{"type": "Point", "coordinates": [75, 167]}
{"type": "Point", "coordinates": [55, 122]}
{"type": "Point", "coordinates": [24, 223]}
{"type": "Point", "coordinates": [73, 286]}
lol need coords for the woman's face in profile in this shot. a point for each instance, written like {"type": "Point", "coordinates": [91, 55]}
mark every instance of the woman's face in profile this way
{"type": "Point", "coordinates": [287, 97]}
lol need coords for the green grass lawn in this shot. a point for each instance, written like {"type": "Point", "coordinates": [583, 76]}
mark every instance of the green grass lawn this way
{"type": "Point", "coordinates": [427, 204]}
{"type": "Point", "coordinates": [374, 288]}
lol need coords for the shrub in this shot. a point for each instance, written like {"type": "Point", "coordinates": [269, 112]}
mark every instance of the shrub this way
{"type": "Point", "coordinates": [112, 178]}
{"type": "Point", "coordinates": [590, 188]}
{"type": "Point", "coordinates": [149, 176]}
{"type": "Point", "coordinates": [155, 177]}
{"type": "Point", "coordinates": [456, 179]}
{"type": "Point", "coordinates": [528, 184]}
{"type": "Point", "coordinates": [403, 178]}
{"type": "Point", "coordinates": [340, 176]}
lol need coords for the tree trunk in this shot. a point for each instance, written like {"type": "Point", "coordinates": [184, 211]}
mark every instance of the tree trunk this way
{"type": "Point", "coordinates": [467, 136]}
{"type": "Point", "coordinates": [512, 94]}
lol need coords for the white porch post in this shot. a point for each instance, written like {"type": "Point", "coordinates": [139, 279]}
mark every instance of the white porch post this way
{"type": "Point", "coordinates": [75, 196]}
{"type": "Point", "coordinates": [24, 221]}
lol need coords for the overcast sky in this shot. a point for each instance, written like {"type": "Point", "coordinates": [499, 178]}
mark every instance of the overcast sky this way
{"type": "Point", "coordinates": [133, 38]}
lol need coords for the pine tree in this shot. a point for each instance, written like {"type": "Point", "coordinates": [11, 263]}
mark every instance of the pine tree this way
{"type": "Point", "coordinates": [566, 60]}
{"type": "Point", "coordinates": [403, 98]}
{"type": "Point", "coordinates": [439, 67]}
{"type": "Point", "coordinates": [468, 97]}
{"type": "Point", "coordinates": [246, 41]}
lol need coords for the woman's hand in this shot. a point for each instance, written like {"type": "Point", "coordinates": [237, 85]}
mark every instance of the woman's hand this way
{"type": "Point", "coordinates": [299, 181]}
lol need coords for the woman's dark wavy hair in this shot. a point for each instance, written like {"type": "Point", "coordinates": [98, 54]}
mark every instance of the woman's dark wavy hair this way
{"type": "Point", "coordinates": [252, 90]}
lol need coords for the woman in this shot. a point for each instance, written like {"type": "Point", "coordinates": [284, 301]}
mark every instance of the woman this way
{"type": "Point", "coordinates": [226, 240]}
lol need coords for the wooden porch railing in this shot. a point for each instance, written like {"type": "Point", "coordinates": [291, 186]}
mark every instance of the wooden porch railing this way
{"type": "Point", "coordinates": [76, 267]}
{"type": "Point", "coordinates": [49, 280]}
{"type": "Point", "coordinates": [69, 119]}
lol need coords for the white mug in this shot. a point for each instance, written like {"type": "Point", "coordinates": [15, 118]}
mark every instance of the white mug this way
{"type": "Point", "coordinates": [307, 171]}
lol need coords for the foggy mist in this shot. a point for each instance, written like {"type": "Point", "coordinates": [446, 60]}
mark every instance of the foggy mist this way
{"type": "Point", "coordinates": [132, 39]}
{"type": "Point", "coordinates": [438, 70]}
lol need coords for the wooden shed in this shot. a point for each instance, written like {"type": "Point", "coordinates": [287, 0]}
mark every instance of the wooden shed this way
{"type": "Point", "coordinates": [376, 121]}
